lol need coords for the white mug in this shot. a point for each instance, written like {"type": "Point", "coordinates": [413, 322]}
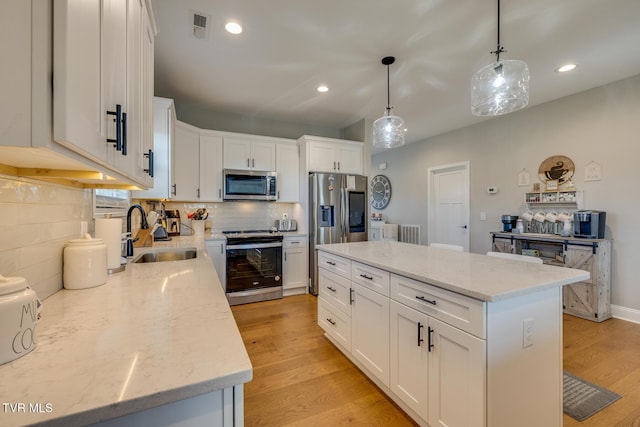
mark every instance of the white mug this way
{"type": "Point", "coordinates": [527, 216]}
{"type": "Point", "coordinates": [552, 216]}
{"type": "Point", "coordinates": [539, 216]}
{"type": "Point", "coordinates": [565, 216]}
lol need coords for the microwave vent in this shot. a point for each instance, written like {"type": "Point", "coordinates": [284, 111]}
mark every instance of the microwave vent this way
{"type": "Point", "coordinates": [201, 25]}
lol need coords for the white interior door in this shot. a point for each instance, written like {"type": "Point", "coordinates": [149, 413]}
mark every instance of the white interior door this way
{"type": "Point", "coordinates": [449, 204]}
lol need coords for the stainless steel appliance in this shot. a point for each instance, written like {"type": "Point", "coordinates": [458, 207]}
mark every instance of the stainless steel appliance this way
{"type": "Point", "coordinates": [337, 214]}
{"type": "Point", "coordinates": [173, 222]}
{"type": "Point", "coordinates": [249, 185]}
{"type": "Point", "coordinates": [254, 266]}
{"type": "Point", "coordinates": [589, 224]}
{"type": "Point", "coordinates": [509, 222]}
{"type": "Point", "coordinates": [286, 224]}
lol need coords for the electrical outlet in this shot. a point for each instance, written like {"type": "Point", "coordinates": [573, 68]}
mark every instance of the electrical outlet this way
{"type": "Point", "coordinates": [527, 332]}
{"type": "Point", "coordinates": [483, 216]}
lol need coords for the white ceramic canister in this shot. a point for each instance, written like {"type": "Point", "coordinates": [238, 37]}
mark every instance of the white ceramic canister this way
{"type": "Point", "coordinates": [19, 307]}
{"type": "Point", "coordinates": [85, 263]}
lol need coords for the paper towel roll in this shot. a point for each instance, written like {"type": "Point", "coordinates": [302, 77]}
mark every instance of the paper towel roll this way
{"type": "Point", "coordinates": [110, 231]}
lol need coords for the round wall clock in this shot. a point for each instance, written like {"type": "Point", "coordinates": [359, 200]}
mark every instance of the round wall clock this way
{"type": "Point", "coordinates": [380, 191]}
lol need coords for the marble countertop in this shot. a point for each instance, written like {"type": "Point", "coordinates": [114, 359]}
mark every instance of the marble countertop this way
{"type": "Point", "coordinates": [474, 275]}
{"type": "Point", "coordinates": [153, 334]}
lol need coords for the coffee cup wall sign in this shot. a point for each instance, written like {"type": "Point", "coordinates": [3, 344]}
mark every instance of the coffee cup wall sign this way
{"type": "Point", "coordinates": [556, 168]}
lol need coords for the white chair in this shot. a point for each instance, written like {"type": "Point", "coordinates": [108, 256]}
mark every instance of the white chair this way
{"type": "Point", "coordinates": [516, 257]}
{"type": "Point", "coordinates": [457, 248]}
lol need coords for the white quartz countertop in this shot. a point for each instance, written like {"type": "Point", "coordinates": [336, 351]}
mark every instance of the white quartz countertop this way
{"type": "Point", "coordinates": [474, 275]}
{"type": "Point", "coordinates": [153, 334]}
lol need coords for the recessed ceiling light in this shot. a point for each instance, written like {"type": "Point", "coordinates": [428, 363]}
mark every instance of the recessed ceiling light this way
{"type": "Point", "coordinates": [323, 88]}
{"type": "Point", "coordinates": [233, 27]}
{"type": "Point", "coordinates": [566, 67]}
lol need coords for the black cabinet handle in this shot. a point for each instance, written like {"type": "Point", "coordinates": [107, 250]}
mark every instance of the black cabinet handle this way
{"type": "Point", "coordinates": [420, 339]}
{"type": "Point", "coordinates": [331, 321]}
{"type": "Point", "coordinates": [351, 296]}
{"type": "Point", "coordinates": [149, 155]}
{"type": "Point", "coordinates": [429, 344]}
{"type": "Point", "coordinates": [198, 193]}
{"type": "Point", "coordinates": [118, 121]}
{"type": "Point", "coordinates": [331, 289]}
{"type": "Point", "coordinates": [174, 191]}
{"type": "Point", "coordinates": [366, 277]}
{"type": "Point", "coordinates": [423, 299]}
{"type": "Point", "coordinates": [124, 134]}
{"type": "Point", "coordinates": [331, 263]}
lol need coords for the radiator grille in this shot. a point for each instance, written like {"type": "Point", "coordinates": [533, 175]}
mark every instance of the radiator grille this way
{"type": "Point", "coordinates": [410, 233]}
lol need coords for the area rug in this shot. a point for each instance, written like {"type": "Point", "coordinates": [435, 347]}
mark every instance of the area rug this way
{"type": "Point", "coordinates": [583, 399]}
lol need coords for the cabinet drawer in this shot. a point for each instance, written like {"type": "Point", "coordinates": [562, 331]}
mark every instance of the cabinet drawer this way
{"type": "Point", "coordinates": [335, 323]}
{"type": "Point", "coordinates": [457, 310]}
{"type": "Point", "coordinates": [334, 263]}
{"type": "Point", "coordinates": [370, 277]}
{"type": "Point", "coordinates": [294, 242]}
{"type": "Point", "coordinates": [335, 289]}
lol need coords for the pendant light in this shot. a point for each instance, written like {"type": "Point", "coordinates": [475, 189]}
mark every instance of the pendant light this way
{"type": "Point", "coordinates": [501, 87]}
{"type": "Point", "coordinates": [388, 130]}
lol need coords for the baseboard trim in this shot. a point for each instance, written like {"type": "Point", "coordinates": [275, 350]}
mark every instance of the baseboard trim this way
{"type": "Point", "coordinates": [624, 313]}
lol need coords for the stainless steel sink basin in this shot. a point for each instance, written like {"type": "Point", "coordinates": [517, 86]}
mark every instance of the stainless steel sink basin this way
{"type": "Point", "coordinates": [169, 254]}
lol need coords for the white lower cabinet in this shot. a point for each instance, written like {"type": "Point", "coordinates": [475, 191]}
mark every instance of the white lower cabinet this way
{"type": "Point", "coordinates": [218, 253]}
{"type": "Point", "coordinates": [294, 265]}
{"type": "Point", "coordinates": [370, 331]}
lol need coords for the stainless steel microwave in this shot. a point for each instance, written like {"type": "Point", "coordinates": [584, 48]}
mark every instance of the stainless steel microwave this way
{"type": "Point", "coordinates": [249, 185]}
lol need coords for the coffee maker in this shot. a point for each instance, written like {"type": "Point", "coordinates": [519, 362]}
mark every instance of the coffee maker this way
{"type": "Point", "coordinates": [509, 222]}
{"type": "Point", "coordinates": [173, 222]}
{"type": "Point", "coordinates": [589, 224]}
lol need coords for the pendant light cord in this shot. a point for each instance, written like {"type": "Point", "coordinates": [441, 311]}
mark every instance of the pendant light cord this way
{"type": "Point", "coordinates": [388, 93]}
{"type": "Point", "coordinates": [499, 48]}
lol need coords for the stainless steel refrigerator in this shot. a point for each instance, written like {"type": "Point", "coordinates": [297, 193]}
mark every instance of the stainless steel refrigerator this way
{"type": "Point", "coordinates": [337, 214]}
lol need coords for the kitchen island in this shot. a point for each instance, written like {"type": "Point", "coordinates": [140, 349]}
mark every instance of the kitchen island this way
{"type": "Point", "coordinates": [454, 338]}
{"type": "Point", "coordinates": [156, 345]}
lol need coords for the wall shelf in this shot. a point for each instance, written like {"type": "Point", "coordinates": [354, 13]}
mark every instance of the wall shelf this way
{"type": "Point", "coordinates": [555, 198]}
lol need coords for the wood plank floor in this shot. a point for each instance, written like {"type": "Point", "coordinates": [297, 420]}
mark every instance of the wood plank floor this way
{"type": "Point", "coordinates": [302, 379]}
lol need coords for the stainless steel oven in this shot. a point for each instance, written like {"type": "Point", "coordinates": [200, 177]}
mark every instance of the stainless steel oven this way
{"type": "Point", "coordinates": [254, 266]}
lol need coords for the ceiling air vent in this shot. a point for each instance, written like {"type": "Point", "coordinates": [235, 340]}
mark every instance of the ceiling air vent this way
{"type": "Point", "coordinates": [201, 25]}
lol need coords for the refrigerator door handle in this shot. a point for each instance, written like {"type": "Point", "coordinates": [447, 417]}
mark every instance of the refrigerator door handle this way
{"type": "Point", "coordinates": [343, 214]}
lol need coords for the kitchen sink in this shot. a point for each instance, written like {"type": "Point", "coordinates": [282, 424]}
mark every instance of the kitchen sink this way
{"type": "Point", "coordinates": [169, 254]}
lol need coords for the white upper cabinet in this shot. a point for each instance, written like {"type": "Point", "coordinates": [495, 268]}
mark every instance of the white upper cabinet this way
{"type": "Point", "coordinates": [288, 170]}
{"type": "Point", "coordinates": [164, 118]}
{"type": "Point", "coordinates": [332, 155]}
{"type": "Point", "coordinates": [210, 168]}
{"type": "Point", "coordinates": [247, 154]}
{"type": "Point", "coordinates": [102, 102]}
{"type": "Point", "coordinates": [186, 153]}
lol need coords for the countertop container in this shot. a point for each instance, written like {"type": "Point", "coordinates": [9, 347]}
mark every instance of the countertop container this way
{"type": "Point", "coordinates": [85, 263]}
{"type": "Point", "coordinates": [18, 316]}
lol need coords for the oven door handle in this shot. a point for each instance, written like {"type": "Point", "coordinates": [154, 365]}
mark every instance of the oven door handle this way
{"type": "Point", "coordinates": [255, 246]}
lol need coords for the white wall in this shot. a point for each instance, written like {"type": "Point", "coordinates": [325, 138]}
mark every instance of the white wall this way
{"type": "Point", "coordinates": [602, 125]}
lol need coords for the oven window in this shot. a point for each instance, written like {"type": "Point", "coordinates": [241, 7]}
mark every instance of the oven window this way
{"type": "Point", "coordinates": [253, 268]}
{"type": "Point", "coordinates": [244, 185]}
{"type": "Point", "coordinates": [357, 211]}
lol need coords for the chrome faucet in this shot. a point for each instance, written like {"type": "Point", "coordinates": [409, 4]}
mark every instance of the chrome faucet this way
{"type": "Point", "coordinates": [143, 225]}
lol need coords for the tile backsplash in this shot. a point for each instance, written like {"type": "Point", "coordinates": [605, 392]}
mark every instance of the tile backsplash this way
{"type": "Point", "coordinates": [37, 219]}
{"type": "Point", "coordinates": [236, 215]}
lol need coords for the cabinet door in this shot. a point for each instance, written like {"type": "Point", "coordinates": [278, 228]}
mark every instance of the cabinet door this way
{"type": "Point", "coordinates": [287, 167]}
{"type": "Point", "coordinates": [370, 331]}
{"type": "Point", "coordinates": [263, 156]}
{"type": "Point", "coordinates": [409, 357]}
{"type": "Point", "coordinates": [335, 289]}
{"type": "Point", "coordinates": [186, 164]}
{"type": "Point", "coordinates": [457, 377]}
{"type": "Point", "coordinates": [502, 245]}
{"type": "Point", "coordinates": [293, 269]}
{"type": "Point", "coordinates": [15, 85]}
{"type": "Point", "coordinates": [349, 158]}
{"type": "Point", "coordinates": [322, 157]}
{"type": "Point", "coordinates": [79, 115]}
{"type": "Point", "coordinates": [335, 323]}
{"type": "Point", "coordinates": [237, 154]}
{"type": "Point", "coordinates": [210, 168]}
{"type": "Point", "coordinates": [217, 251]}
{"type": "Point", "coordinates": [582, 298]}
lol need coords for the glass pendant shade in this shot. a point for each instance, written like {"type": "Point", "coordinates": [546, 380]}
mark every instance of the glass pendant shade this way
{"type": "Point", "coordinates": [388, 132]}
{"type": "Point", "coordinates": [500, 88]}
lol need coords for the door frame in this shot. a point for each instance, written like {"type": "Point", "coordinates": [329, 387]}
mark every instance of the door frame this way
{"type": "Point", "coordinates": [431, 173]}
